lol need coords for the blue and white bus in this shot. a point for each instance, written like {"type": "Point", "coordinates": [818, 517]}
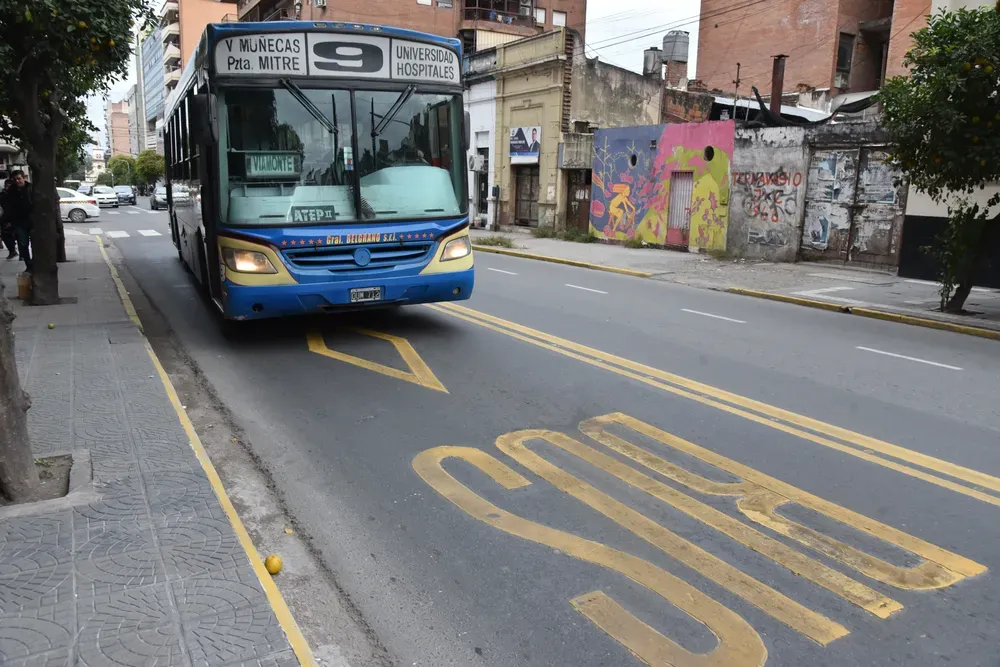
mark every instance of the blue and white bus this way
{"type": "Point", "coordinates": [318, 167]}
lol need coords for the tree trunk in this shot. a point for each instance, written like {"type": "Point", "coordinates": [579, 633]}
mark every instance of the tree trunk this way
{"type": "Point", "coordinates": [60, 239]}
{"type": "Point", "coordinates": [984, 245]}
{"type": "Point", "coordinates": [18, 475]}
{"type": "Point", "coordinates": [45, 239]}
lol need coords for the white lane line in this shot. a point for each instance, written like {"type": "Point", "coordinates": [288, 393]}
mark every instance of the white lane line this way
{"type": "Point", "coordinates": [586, 289]}
{"type": "Point", "coordinates": [718, 317]}
{"type": "Point", "coordinates": [117, 235]}
{"type": "Point", "coordinates": [934, 284]}
{"type": "Point", "coordinates": [72, 232]}
{"type": "Point", "coordinates": [132, 212]}
{"type": "Point", "coordinates": [114, 213]}
{"type": "Point", "coordinates": [509, 273]}
{"type": "Point", "coordinates": [903, 356]}
{"type": "Point", "coordinates": [149, 232]}
{"type": "Point", "coordinates": [96, 231]}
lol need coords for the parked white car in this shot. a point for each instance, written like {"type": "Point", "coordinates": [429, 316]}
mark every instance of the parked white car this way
{"type": "Point", "coordinates": [76, 206]}
{"type": "Point", "coordinates": [105, 196]}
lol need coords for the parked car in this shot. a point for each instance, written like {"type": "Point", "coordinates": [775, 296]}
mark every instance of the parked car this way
{"type": "Point", "coordinates": [86, 188]}
{"type": "Point", "coordinates": [126, 195]}
{"type": "Point", "coordinates": [76, 206]}
{"type": "Point", "coordinates": [105, 196]}
{"type": "Point", "coordinates": [158, 199]}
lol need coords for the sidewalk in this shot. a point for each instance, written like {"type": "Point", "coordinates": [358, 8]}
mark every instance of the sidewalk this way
{"type": "Point", "coordinates": [142, 564]}
{"type": "Point", "coordinates": [820, 284]}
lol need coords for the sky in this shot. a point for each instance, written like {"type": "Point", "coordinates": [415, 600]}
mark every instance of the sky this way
{"type": "Point", "coordinates": [618, 31]}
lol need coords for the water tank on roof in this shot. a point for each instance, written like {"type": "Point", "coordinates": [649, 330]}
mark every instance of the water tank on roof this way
{"type": "Point", "coordinates": [651, 62]}
{"type": "Point", "coordinates": [675, 46]}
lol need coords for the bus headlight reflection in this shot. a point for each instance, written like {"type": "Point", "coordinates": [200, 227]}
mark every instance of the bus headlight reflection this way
{"type": "Point", "coordinates": [247, 261]}
{"type": "Point", "coordinates": [456, 249]}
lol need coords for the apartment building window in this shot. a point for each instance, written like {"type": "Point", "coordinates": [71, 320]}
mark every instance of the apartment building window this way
{"type": "Point", "coordinates": [540, 15]}
{"type": "Point", "coordinates": [444, 3]}
{"type": "Point", "coordinates": [559, 19]}
{"type": "Point", "coordinates": [424, 2]}
{"type": "Point", "coordinates": [845, 53]}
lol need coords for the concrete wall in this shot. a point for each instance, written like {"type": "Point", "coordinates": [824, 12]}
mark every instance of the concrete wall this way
{"type": "Point", "coordinates": [480, 102]}
{"type": "Point", "coordinates": [604, 95]}
{"type": "Point", "coordinates": [633, 175]}
{"type": "Point", "coordinates": [768, 193]}
{"type": "Point", "coordinates": [194, 15]}
{"type": "Point", "coordinates": [683, 106]}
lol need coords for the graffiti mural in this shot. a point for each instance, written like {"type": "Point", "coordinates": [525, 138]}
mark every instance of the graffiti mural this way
{"type": "Point", "coordinates": [632, 172]}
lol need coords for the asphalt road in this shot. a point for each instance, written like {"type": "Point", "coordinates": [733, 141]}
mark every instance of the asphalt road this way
{"type": "Point", "coordinates": [768, 483]}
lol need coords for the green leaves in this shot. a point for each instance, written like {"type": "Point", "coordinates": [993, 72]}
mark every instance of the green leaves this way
{"type": "Point", "coordinates": [149, 166]}
{"type": "Point", "coordinates": [944, 118]}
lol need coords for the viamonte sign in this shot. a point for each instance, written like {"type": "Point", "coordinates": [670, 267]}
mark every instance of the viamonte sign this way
{"type": "Point", "coordinates": [335, 55]}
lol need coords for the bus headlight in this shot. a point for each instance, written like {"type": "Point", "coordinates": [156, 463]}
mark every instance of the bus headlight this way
{"type": "Point", "coordinates": [456, 249]}
{"type": "Point", "coordinates": [247, 261]}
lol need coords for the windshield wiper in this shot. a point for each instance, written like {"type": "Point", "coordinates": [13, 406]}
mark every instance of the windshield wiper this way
{"type": "Point", "coordinates": [313, 110]}
{"type": "Point", "coordinates": [394, 109]}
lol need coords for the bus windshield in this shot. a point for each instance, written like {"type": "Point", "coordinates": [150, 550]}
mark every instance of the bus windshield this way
{"type": "Point", "coordinates": [289, 155]}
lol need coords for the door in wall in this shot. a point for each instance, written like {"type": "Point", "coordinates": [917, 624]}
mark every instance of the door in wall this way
{"type": "Point", "coordinates": [679, 214]}
{"type": "Point", "coordinates": [526, 195]}
{"type": "Point", "coordinates": [578, 206]}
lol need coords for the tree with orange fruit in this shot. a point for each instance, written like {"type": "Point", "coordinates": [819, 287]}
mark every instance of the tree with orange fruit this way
{"type": "Point", "coordinates": [54, 54]}
{"type": "Point", "coordinates": [944, 120]}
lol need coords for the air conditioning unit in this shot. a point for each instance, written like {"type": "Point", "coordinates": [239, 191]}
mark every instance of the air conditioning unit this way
{"type": "Point", "coordinates": [526, 9]}
{"type": "Point", "coordinates": [477, 163]}
{"type": "Point", "coordinates": [319, 3]}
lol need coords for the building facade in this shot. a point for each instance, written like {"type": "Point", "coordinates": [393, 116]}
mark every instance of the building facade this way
{"type": "Point", "coordinates": [182, 23]}
{"type": "Point", "coordinates": [135, 126]}
{"type": "Point", "coordinates": [480, 24]}
{"type": "Point", "coordinates": [154, 92]}
{"type": "Point", "coordinates": [116, 119]}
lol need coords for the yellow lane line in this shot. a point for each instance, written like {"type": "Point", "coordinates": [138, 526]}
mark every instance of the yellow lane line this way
{"type": "Point", "coordinates": [801, 619]}
{"type": "Point", "coordinates": [870, 600]}
{"type": "Point", "coordinates": [281, 611]}
{"type": "Point", "coordinates": [739, 645]}
{"type": "Point", "coordinates": [419, 373]}
{"type": "Point", "coordinates": [724, 400]}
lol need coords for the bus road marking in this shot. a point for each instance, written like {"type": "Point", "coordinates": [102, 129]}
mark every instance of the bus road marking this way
{"type": "Point", "coordinates": [116, 234]}
{"type": "Point", "coordinates": [960, 479]}
{"type": "Point", "coordinates": [96, 231]}
{"type": "Point", "coordinates": [149, 232]}
{"type": "Point", "coordinates": [419, 373]}
{"type": "Point", "coordinates": [756, 496]}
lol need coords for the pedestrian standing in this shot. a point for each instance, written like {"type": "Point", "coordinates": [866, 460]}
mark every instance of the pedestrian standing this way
{"type": "Point", "coordinates": [6, 228]}
{"type": "Point", "coordinates": [17, 205]}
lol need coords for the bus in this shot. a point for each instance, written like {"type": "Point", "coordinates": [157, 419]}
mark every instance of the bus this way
{"type": "Point", "coordinates": [316, 167]}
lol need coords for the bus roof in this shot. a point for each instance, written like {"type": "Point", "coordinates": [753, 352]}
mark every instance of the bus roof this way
{"type": "Point", "coordinates": [216, 33]}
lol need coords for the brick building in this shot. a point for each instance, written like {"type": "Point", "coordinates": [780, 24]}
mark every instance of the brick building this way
{"type": "Point", "coordinates": [839, 46]}
{"type": "Point", "coordinates": [480, 24]}
{"type": "Point", "coordinates": [116, 127]}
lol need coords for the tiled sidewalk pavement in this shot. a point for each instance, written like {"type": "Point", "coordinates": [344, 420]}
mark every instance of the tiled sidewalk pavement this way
{"type": "Point", "coordinates": [147, 570]}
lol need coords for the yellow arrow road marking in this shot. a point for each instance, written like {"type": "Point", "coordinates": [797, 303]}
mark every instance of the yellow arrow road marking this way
{"type": "Point", "coordinates": [419, 373]}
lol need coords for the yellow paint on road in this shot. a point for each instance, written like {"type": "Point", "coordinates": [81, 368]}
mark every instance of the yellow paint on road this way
{"type": "Point", "coordinates": [811, 624]}
{"type": "Point", "coordinates": [419, 373]}
{"type": "Point", "coordinates": [972, 482]}
{"type": "Point", "coordinates": [739, 645]}
{"type": "Point", "coordinates": [759, 495]}
{"type": "Point", "coordinates": [870, 600]}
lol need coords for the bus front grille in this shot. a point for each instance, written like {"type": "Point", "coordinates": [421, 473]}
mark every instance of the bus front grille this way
{"type": "Point", "coordinates": [348, 258]}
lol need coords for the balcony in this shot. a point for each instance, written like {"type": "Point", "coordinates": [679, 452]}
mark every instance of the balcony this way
{"type": "Point", "coordinates": [171, 78]}
{"type": "Point", "coordinates": [170, 32]}
{"type": "Point", "coordinates": [171, 55]}
{"type": "Point", "coordinates": [167, 7]}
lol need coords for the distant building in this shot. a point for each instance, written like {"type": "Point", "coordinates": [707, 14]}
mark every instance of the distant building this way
{"type": "Point", "coordinates": [97, 165]}
{"type": "Point", "coordinates": [134, 125]}
{"type": "Point", "coordinates": [139, 110]}
{"type": "Point", "coordinates": [116, 118]}
{"type": "Point", "coordinates": [480, 24]}
{"type": "Point", "coordinates": [154, 93]}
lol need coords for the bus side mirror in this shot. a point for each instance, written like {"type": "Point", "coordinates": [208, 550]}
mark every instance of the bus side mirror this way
{"type": "Point", "coordinates": [203, 114]}
{"type": "Point", "coordinates": [468, 131]}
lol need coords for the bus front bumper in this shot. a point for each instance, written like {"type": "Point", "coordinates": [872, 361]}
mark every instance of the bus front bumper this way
{"type": "Point", "coordinates": [245, 302]}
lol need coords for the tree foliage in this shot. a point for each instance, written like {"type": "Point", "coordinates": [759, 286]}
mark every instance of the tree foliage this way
{"type": "Point", "coordinates": [104, 178]}
{"type": "Point", "coordinates": [55, 53]}
{"type": "Point", "coordinates": [72, 157]}
{"type": "Point", "coordinates": [944, 120]}
{"type": "Point", "coordinates": [149, 166]}
{"type": "Point", "coordinates": [122, 169]}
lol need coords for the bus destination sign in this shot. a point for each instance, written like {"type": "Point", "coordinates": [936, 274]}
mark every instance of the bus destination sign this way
{"type": "Point", "coordinates": [336, 55]}
{"type": "Point", "coordinates": [272, 165]}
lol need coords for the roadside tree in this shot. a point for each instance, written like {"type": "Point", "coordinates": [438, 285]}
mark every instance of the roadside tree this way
{"type": "Point", "coordinates": [149, 166]}
{"type": "Point", "coordinates": [944, 120]}
{"type": "Point", "coordinates": [122, 169]}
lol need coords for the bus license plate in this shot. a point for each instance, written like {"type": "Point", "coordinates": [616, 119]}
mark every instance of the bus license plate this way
{"type": "Point", "coordinates": [362, 294]}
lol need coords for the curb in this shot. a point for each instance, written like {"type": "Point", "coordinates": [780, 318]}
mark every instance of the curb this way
{"type": "Point", "coordinates": [870, 313]}
{"type": "Point", "coordinates": [296, 640]}
{"type": "Point", "coordinates": [560, 260]}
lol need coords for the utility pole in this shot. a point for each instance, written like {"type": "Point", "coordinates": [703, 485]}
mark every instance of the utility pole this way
{"type": "Point", "coordinates": [736, 92]}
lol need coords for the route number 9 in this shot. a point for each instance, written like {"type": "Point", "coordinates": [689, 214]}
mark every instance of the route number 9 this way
{"type": "Point", "coordinates": [352, 57]}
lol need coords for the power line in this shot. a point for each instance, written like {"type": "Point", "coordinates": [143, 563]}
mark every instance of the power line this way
{"type": "Point", "coordinates": [647, 32]}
